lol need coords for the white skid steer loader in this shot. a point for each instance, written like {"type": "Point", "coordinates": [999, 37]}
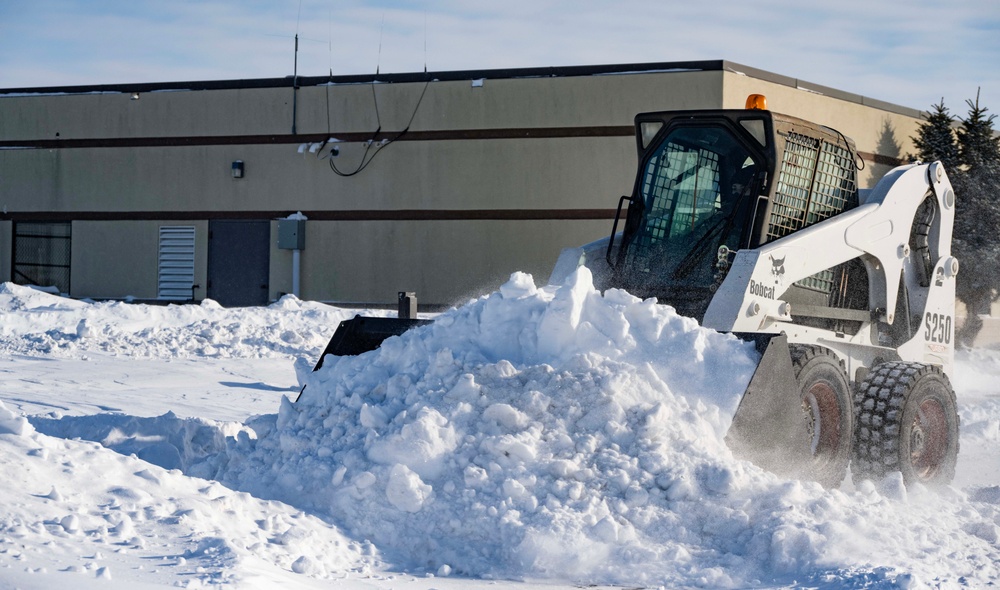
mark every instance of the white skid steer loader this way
{"type": "Point", "coordinates": [752, 223]}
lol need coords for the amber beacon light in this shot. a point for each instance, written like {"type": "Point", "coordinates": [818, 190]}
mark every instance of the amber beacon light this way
{"type": "Point", "coordinates": [757, 102]}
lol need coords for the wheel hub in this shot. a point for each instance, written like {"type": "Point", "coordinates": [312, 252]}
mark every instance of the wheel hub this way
{"type": "Point", "coordinates": [917, 438]}
{"type": "Point", "coordinates": [823, 419]}
{"type": "Point", "coordinates": [928, 439]}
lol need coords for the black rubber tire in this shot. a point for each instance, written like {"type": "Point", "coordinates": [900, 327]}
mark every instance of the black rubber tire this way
{"type": "Point", "coordinates": [827, 406]}
{"type": "Point", "coordinates": [908, 422]}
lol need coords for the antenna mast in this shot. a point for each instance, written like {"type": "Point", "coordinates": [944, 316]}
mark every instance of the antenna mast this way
{"type": "Point", "coordinates": [295, 83]}
{"type": "Point", "coordinates": [381, 30]}
{"type": "Point", "coordinates": [295, 70]}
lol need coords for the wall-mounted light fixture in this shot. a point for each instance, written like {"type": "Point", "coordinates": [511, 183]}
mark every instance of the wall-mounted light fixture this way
{"type": "Point", "coordinates": [238, 169]}
{"type": "Point", "coordinates": [135, 96]}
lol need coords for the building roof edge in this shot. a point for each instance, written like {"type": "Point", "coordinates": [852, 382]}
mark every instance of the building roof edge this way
{"type": "Point", "coordinates": [454, 75]}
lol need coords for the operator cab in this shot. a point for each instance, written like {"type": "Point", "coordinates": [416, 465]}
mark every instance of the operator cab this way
{"type": "Point", "coordinates": [710, 183]}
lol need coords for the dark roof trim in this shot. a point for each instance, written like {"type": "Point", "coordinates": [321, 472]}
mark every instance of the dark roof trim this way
{"type": "Point", "coordinates": [320, 215]}
{"type": "Point", "coordinates": [286, 82]}
{"type": "Point", "coordinates": [345, 137]}
{"type": "Point", "coordinates": [495, 74]}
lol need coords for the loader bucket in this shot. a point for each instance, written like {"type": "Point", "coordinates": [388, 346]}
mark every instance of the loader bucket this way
{"type": "Point", "coordinates": [769, 428]}
{"type": "Point", "coordinates": [361, 334]}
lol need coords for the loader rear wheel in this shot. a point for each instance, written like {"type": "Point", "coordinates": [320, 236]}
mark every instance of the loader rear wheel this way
{"type": "Point", "coordinates": [826, 403]}
{"type": "Point", "coordinates": [907, 422]}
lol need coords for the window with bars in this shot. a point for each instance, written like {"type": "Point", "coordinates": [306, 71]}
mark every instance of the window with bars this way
{"type": "Point", "coordinates": [175, 274]}
{"type": "Point", "coordinates": [681, 186]}
{"type": "Point", "coordinates": [692, 197]}
{"type": "Point", "coordinates": [816, 180]}
{"type": "Point", "coordinates": [41, 254]}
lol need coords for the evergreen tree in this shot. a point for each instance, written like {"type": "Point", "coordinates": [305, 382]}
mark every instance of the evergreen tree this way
{"type": "Point", "coordinates": [975, 244]}
{"type": "Point", "coordinates": [935, 138]}
{"type": "Point", "coordinates": [977, 216]}
{"type": "Point", "coordinates": [977, 143]}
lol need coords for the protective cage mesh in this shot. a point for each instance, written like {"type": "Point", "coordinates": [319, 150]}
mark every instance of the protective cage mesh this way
{"type": "Point", "coordinates": [816, 181]}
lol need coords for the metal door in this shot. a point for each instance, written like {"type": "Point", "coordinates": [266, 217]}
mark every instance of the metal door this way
{"type": "Point", "coordinates": [41, 254]}
{"type": "Point", "coordinates": [239, 256]}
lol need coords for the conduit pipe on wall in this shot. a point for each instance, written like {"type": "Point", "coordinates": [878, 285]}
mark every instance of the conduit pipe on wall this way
{"type": "Point", "coordinates": [292, 236]}
{"type": "Point", "coordinates": [296, 270]}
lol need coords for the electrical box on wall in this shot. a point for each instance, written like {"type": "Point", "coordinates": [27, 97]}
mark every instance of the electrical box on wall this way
{"type": "Point", "coordinates": [292, 234]}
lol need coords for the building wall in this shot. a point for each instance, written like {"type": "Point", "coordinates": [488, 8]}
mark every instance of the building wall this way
{"type": "Point", "coordinates": [541, 173]}
{"type": "Point", "coordinates": [445, 262]}
{"type": "Point", "coordinates": [117, 259]}
{"type": "Point", "coordinates": [439, 173]}
{"type": "Point", "coordinates": [492, 175]}
{"type": "Point", "coordinates": [347, 108]}
{"type": "Point", "coordinates": [882, 136]}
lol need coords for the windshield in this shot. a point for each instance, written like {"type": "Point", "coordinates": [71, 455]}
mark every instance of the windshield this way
{"type": "Point", "coordinates": [697, 191]}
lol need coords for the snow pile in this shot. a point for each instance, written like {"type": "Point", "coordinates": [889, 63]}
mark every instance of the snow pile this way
{"type": "Point", "coordinates": [535, 433]}
{"type": "Point", "coordinates": [531, 433]}
{"type": "Point", "coordinates": [85, 513]}
{"type": "Point", "coordinates": [34, 322]}
{"type": "Point", "coordinates": [562, 434]}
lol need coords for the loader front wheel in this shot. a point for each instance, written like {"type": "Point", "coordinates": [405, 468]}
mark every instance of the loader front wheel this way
{"type": "Point", "coordinates": [826, 405]}
{"type": "Point", "coordinates": [907, 422]}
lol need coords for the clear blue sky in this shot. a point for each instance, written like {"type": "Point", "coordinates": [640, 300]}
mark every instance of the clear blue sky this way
{"type": "Point", "coordinates": [911, 52]}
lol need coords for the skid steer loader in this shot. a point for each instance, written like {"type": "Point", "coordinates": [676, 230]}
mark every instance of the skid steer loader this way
{"type": "Point", "coordinates": [751, 222]}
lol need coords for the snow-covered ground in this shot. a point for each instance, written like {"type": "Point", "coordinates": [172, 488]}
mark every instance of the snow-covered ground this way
{"type": "Point", "coordinates": [537, 436]}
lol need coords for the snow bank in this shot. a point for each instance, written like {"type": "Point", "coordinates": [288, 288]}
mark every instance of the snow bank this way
{"type": "Point", "coordinates": [75, 514]}
{"type": "Point", "coordinates": [198, 447]}
{"type": "Point", "coordinates": [37, 323]}
{"type": "Point", "coordinates": [535, 433]}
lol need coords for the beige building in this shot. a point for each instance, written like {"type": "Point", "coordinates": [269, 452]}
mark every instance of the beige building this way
{"type": "Point", "coordinates": [440, 183]}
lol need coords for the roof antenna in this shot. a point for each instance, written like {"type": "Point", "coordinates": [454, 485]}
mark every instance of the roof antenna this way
{"type": "Point", "coordinates": [295, 70]}
{"type": "Point", "coordinates": [425, 40]}
{"type": "Point", "coordinates": [330, 37]}
{"type": "Point", "coordinates": [295, 83]}
{"type": "Point", "coordinates": [329, 83]}
{"type": "Point", "coordinates": [380, 31]}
